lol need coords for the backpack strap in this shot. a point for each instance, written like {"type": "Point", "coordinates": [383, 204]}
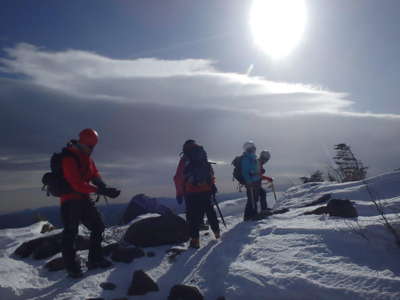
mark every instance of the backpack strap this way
{"type": "Point", "coordinates": [68, 153]}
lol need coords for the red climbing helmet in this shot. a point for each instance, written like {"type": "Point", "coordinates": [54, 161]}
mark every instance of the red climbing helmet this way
{"type": "Point", "coordinates": [88, 137]}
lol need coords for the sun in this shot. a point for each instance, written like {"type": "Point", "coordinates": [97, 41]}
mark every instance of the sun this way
{"type": "Point", "coordinates": [277, 25]}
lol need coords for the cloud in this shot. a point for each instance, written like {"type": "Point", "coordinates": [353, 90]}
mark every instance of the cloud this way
{"type": "Point", "coordinates": [189, 82]}
{"type": "Point", "coordinates": [145, 109]}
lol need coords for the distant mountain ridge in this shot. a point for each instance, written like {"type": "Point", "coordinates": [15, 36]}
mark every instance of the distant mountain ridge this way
{"type": "Point", "coordinates": [112, 213]}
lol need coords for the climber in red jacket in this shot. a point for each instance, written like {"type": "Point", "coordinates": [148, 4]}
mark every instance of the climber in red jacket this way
{"type": "Point", "coordinates": [80, 172]}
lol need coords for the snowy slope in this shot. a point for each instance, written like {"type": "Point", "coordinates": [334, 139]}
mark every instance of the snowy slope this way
{"type": "Point", "coordinates": [287, 256]}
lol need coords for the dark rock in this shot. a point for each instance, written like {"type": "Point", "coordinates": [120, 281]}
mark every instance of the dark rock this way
{"type": "Point", "coordinates": [133, 210]}
{"type": "Point", "coordinates": [157, 231]}
{"type": "Point", "coordinates": [55, 264]}
{"type": "Point", "coordinates": [142, 204]}
{"type": "Point", "coordinates": [126, 255]}
{"type": "Point", "coordinates": [47, 227]}
{"type": "Point", "coordinates": [336, 208]}
{"type": "Point", "coordinates": [45, 247]}
{"type": "Point", "coordinates": [221, 298]}
{"type": "Point", "coordinates": [124, 298]}
{"type": "Point", "coordinates": [322, 200]}
{"type": "Point", "coordinates": [150, 254]}
{"type": "Point", "coordinates": [318, 211]}
{"type": "Point", "coordinates": [184, 292]}
{"type": "Point", "coordinates": [108, 286]}
{"type": "Point", "coordinates": [26, 249]}
{"type": "Point", "coordinates": [142, 284]}
{"type": "Point", "coordinates": [342, 208]}
{"type": "Point", "coordinates": [107, 250]}
{"type": "Point", "coordinates": [95, 299]}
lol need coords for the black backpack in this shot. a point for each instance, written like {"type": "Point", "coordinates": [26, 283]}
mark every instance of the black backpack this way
{"type": "Point", "coordinates": [237, 169]}
{"type": "Point", "coordinates": [54, 182]}
{"type": "Point", "coordinates": [197, 169]}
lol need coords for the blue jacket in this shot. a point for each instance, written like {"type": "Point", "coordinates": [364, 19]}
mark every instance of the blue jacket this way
{"type": "Point", "coordinates": [250, 168]}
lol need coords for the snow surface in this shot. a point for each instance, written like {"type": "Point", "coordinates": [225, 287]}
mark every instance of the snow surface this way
{"type": "Point", "coordinates": [287, 256]}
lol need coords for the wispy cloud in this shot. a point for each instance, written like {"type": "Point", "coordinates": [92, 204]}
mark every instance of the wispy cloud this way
{"type": "Point", "coordinates": [192, 83]}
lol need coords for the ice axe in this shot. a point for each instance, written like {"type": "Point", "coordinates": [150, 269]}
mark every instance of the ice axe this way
{"type": "Point", "coordinates": [273, 190]}
{"type": "Point", "coordinates": [219, 210]}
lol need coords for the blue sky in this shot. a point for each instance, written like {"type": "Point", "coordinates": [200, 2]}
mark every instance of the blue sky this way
{"type": "Point", "coordinates": [358, 40]}
{"type": "Point", "coordinates": [179, 67]}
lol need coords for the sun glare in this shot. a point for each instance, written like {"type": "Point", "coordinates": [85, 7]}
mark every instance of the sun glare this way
{"type": "Point", "coordinates": [277, 25]}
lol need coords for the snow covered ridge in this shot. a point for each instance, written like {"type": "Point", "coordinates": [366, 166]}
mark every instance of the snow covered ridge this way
{"type": "Point", "coordinates": [286, 256]}
{"type": "Point", "coordinates": [385, 187]}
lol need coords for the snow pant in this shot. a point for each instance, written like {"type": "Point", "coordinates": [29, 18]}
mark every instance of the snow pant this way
{"type": "Point", "coordinates": [253, 194]}
{"type": "Point", "coordinates": [74, 212]}
{"type": "Point", "coordinates": [197, 205]}
{"type": "Point", "coordinates": [263, 199]}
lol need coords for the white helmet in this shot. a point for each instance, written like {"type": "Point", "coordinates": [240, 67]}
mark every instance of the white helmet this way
{"type": "Point", "coordinates": [265, 155]}
{"type": "Point", "coordinates": [249, 146]}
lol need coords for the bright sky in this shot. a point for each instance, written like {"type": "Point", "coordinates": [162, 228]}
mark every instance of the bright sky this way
{"type": "Point", "coordinates": [150, 74]}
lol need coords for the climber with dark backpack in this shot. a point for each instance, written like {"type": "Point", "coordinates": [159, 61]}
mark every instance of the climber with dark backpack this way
{"type": "Point", "coordinates": [73, 177]}
{"type": "Point", "coordinates": [195, 184]}
{"type": "Point", "coordinates": [237, 171]}
{"type": "Point", "coordinates": [54, 182]}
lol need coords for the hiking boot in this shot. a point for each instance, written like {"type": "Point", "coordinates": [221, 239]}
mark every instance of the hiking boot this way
{"type": "Point", "coordinates": [258, 217]}
{"type": "Point", "coordinates": [102, 263]}
{"type": "Point", "coordinates": [203, 227]}
{"type": "Point", "coordinates": [194, 243]}
{"type": "Point", "coordinates": [217, 234]}
{"type": "Point", "coordinates": [74, 271]}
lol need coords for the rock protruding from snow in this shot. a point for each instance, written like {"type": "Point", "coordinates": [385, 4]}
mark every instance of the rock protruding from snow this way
{"type": "Point", "coordinates": [185, 292]}
{"type": "Point", "coordinates": [126, 254]}
{"type": "Point", "coordinates": [56, 264]}
{"type": "Point", "coordinates": [158, 231]}
{"type": "Point", "coordinates": [142, 204]}
{"type": "Point", "coordinates": [321, 200]}
{"type": "Point", "coordinates": [336, 208]}
{"type": "Point", "coordinates": [318, 211]}
{"type": "Point", "coordinates": [45, 247]}
{"type": "Point", "coordinates": [341, 208]}
{"type": "Point", "coordinates": [47, 227]}
{"type": "Point", "coordinates": [107, 250]}
{"type": "Point", "coordinates": [142, 284]}
{"type": "Point", "coordinates": [108, 286]}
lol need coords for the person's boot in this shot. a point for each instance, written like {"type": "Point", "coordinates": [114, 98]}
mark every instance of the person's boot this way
{"type": "Point", "coordinates": [204, 227]}
{"type": "Point", "coordinates": [194, 243]}
{"type": "Point", "coordinates": [217, 234]}
{"type": "Point", "coordinates": [74, 270]}
{"type": "Point", "coordinates": [102, 263]}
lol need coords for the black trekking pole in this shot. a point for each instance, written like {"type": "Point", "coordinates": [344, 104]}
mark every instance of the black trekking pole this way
{"type": "Point", "coordinates": [219, 210]}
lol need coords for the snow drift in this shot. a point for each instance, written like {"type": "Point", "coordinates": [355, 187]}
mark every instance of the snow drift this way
{"type": "Point", "coordinates": [286, 256]}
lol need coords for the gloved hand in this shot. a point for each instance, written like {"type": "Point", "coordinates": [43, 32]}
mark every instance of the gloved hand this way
{"type": "Point", "coordinates": [179, 199]}
{"type": "Point", "coordinates": [97, 181]}
{"type": "Point", "coordinates": [108, 192]}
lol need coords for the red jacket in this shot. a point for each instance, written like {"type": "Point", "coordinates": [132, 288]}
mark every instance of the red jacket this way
{"type": "Point", "coordinates": [182, 187]}
{"type": "Point", "coordinates": [79, 176]}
